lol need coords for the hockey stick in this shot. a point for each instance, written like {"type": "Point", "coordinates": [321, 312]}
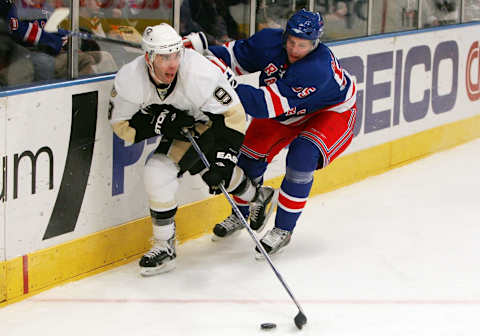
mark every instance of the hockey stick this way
{"type": "Point", "coordinates": [55, 19]}
{"type": "Point", "coordinates": [300, 319]}
{"type": "Point", "coordinates": [61, 14]}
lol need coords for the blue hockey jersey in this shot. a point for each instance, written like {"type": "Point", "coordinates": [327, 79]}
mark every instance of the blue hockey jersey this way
{"type": "Point", "coordinates": [287, 92]}
{"type": "Point", "coordinates": [30, 32]}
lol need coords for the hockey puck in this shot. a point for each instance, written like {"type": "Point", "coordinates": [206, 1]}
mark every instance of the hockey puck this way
{"type": "Point", "coordinates": [268, 326]}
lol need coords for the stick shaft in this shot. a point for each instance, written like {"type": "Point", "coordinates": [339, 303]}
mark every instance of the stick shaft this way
{"type": "Point", "coordinates": [88, 36]}
{"type": "Point", "coordinates": [244, 222]}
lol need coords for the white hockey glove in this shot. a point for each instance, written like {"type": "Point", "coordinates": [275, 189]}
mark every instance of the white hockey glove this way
{"type": "Point", "coordinates": [196, 41]}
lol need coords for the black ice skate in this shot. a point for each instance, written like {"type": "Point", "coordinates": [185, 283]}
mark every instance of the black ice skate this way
{"type": "Point", "coordinates": [273, 242]}
{"type": "Point", "coordinates": [259, 206]}
{"type": "Point", "coordinates": [160, 258]}
{"type": "Point", "coordinates": [227, 228]}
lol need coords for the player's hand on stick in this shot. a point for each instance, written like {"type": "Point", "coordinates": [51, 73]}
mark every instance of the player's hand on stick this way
{"type": "Point", "coordinates": [221, 168]}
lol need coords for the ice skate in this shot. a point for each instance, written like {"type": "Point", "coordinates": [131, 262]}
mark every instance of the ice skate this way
{"type": "Point", "coordinates": [273, 242]}
{"type": "Point", "coordinates": [230, 226]}
{"type": "Point", "coordinates": [160, 258]}
{"type": "Point", "coordinates": [259, 208]}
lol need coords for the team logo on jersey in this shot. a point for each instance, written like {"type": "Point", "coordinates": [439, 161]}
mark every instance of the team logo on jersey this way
{"type": "Point", "coordinates": [270, 69]}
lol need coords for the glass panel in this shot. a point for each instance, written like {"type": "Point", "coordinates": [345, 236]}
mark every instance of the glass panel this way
{"type": "Point", "coordinates": [471, 10]}
{"type": "Point", "coordinates": [27, 53]}
{"type": "Point", "coordinates": [440, 12]}
{"type": "Point", "coordinates": [275, 13]}
{"type": "Point", "coordinates": [343, 19]}
{"type": "Point", "coordinates": [391, 16]}
{"type": "Point", "coordinates": [220, 20]}
{"type": "Point", "coordinates": [118, 20]}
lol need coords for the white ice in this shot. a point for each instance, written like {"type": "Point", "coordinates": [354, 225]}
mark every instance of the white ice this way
{"type": "Point", "coordinates": [395, 254]}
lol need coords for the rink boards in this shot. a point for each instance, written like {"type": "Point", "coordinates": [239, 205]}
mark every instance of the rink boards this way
{"type": "Point", "coordinates": [71, 193]}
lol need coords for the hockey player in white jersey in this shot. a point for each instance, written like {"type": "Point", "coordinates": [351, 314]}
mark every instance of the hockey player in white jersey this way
{"type": "Point", "coordinates": [167, 90]}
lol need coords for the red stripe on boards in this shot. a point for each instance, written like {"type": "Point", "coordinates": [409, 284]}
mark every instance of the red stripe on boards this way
{"type": "Point", "coordinates": [25, 274]}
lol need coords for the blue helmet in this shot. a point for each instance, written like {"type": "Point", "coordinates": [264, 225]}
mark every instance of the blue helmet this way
{"type": "Point", "coordinates": [306, 25]}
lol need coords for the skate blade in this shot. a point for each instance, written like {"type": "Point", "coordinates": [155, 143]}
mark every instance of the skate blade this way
{"type": "Point", "coordinates": [149, 271]}
{"type": "Point", "coordinates": [260, 257]}
{"type": "Point", "coordinates": [216, 238]}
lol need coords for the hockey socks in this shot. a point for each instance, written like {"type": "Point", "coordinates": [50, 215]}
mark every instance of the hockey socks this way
{"type": "Point", "coordinates": [291, 201]}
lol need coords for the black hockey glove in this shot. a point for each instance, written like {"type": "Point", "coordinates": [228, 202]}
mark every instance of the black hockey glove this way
{"type": "Point", "coordinates": [169, 121]}
{"type": "Point", "coordinates": [224, 156]}
{"type": "Point", "coordinates": [222, 163]}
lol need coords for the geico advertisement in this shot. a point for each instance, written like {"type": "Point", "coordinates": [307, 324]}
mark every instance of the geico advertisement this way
{"type": "Point", "coordinates": [411, 83]}
{"type": "Point", "coordinates": [65, 174]}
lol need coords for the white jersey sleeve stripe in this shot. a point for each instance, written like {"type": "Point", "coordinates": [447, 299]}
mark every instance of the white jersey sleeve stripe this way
{"type": "Point", "coordinates": [276, 103]}
{"type": "Point", "coordinates": [236, 67]}
{"type": "Point", "coordinates": [349, 101]}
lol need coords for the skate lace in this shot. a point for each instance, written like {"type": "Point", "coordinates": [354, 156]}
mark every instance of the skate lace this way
{"type": "Point", "coordinates": [255, 211]}
{"type": "Point", "coordinates": [257, 207]}
{"type": "Point", "coordinates": [157, 250]}
{"type": "Point", "coordinates": [231, 222]}
{"type": "Point", "coordinates": [275, 237]}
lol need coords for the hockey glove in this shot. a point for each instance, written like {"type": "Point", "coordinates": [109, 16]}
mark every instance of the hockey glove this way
{"type": "Point", "coordinates": [169, 121]}
{"type": "Point", "coordinates": [221, 168]}
{"type": "Point", "coordinates": [196, 41]}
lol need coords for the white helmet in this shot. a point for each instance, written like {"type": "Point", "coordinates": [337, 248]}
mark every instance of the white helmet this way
{"type": "Point", "coordinates": [161, 39]}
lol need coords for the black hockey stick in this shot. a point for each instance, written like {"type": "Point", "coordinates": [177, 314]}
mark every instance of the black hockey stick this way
{"type": "Point", "coordinates": [62, 13]}
{"type": "Point", "coordinates": [88, 36]}
{"type": "Point", "coordinates": [300, 319]}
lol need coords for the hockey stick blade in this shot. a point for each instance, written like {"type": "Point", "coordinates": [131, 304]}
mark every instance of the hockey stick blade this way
{"type": "Point", "coordinates": [55, 19]}
{"type": "Point", "coordinates": [300, 320]}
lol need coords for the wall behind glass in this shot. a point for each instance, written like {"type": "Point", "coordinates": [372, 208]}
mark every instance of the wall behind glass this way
{"type": "Point", "coordinates": [440, 12]}
{"type": "Point", "coordinates": [220, 20]}
{"type": "Point", "coordinates": [343, 19]}
{"type": "Point", "coordinates": [121, 20]}
{"type": "Point", "coordinates": [275, 13]}
{"type": "Point", "coordinates": [392, 16]}
{"type": "Point", "coordinates": [471, 10]}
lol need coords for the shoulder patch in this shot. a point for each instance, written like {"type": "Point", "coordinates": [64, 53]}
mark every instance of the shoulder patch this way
{"type": "Point", "coordinates": [222, 96]}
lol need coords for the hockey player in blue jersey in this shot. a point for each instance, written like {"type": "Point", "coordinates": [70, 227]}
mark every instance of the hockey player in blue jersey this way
{"type": "Point", "coordinates": [30, 32]}
{"type": "Point", "coordinates": [47, 50]}
{"type": "Point", "coordinates": [305, 101]}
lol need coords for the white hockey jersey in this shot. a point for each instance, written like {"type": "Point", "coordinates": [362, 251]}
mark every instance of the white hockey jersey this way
{"type": "Point", "coordinates": [200, 86]}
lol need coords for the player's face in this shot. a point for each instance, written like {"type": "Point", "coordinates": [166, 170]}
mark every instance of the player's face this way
{"type": "Point", "coordinates": [166, 66]}
{"type": "Point", "coordinates": [297, 48]}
